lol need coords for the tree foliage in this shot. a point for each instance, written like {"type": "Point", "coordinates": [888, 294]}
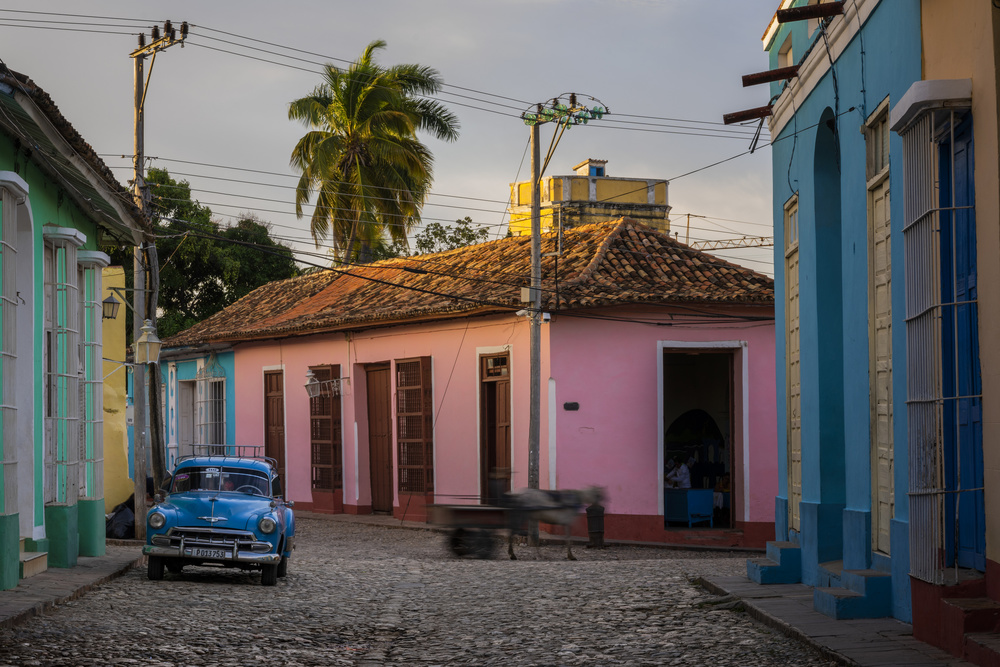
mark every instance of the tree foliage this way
{"type": "Point", "coordinates": [436, 237]}
{"type": "Point", "coordinates": [204, 265]}
{"type": "Point", "coordinates": [361, 155]}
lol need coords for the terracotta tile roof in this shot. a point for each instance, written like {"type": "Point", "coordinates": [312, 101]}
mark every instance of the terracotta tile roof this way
{"type": "Point", "coordinates": [99, 193]}
{"type": "Point", "coordinates": [612, 263]}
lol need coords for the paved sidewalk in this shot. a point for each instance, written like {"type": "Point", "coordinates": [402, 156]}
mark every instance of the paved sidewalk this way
{"type": "Point", "coordinates": [40, 593]}
{"type": "Point", "coordinates": [867, 642]}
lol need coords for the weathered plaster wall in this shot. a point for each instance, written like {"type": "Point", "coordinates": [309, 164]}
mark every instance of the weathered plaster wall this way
{"type": "Point", "coordinates": [117, 479]}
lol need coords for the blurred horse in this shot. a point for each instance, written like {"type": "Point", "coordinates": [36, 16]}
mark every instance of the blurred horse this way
{"type": "Point", "coordinates": [558, 506]}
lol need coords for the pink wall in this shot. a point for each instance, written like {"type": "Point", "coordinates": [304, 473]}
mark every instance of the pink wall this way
{"type": "Point", "coordinates": [613, 440]}
{"type": "Point", "coordinates": [609, 367]}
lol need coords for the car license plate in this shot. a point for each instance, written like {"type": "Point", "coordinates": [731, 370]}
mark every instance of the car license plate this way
{"type": "Point", "coordinates": [208, 553]}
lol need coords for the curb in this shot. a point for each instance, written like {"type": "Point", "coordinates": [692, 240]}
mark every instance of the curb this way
{"type": "Point", "coordinates": [775, 623]}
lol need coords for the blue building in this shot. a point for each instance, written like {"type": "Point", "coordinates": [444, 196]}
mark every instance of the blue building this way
{"type": "Point", "coordinates": [841, 516]}
{"type": "Point", "coordinates": [886, 182]}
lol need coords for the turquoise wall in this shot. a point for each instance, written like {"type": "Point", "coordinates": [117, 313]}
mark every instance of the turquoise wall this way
{"type": "Point", "coordinates": [824, 163]}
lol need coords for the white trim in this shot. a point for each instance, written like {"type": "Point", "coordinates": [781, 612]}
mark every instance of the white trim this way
{"type": "Point", "coordinates": [816, 64]}
{"type": "Point", "coordinates": [66, 234]}
{"type": "Point", "coordinates": [15, 184]}
{"type": "Point", "coordinates": [742, 347]}
{"type": "Point", "coordinates": [357, 477]}
{"type": "Point", "coordinates": [924, 96]}
{"type": "Point", "coordinates": [93, 257]}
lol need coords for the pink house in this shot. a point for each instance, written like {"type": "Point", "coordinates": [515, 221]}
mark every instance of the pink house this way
{"type": "Point", "coordinates": [650, 351]}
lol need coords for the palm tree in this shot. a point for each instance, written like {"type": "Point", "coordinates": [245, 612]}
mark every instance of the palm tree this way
{"type": "Point", "coordinates": [361, 155]}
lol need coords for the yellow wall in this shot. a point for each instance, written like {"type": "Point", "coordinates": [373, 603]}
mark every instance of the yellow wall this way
{"type": "Point", "coordinates": [117, 483]}
{"type": "Point", "coordinates": [622, 191]}
{"type": "Point", "coordinates": [959, 42]}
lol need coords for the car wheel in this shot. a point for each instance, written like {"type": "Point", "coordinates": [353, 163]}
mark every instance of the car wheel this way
{"type": "Point", "coordinates": [283, 567]}
{"type": "Point", "coordinates": [174, 567]}
{"type": "Point", "coordinates": [269, 575]}
{"type": "Point", "coordinates": [154, 568]}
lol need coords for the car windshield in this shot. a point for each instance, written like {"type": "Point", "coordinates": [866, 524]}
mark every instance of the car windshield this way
{"type": "Point", "coordinates": [220, 478]}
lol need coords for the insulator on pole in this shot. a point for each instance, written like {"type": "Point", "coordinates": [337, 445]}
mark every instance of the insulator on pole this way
{"type": "Point", "coordinates": [184, 30]}
{"type": "Point", "coordinates": [142, 39]}
{"type": "Point", "coordinates": [155, 32]}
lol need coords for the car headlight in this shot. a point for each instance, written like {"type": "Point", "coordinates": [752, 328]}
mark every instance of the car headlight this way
{"type": "Point", "coordinates": [156, 520]}
{"type": "Point", "coordinates": [267, 525]}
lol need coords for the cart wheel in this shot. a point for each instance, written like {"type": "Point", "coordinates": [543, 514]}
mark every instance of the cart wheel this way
{"type": "Point", "coordinates": [461, 542]}
{"type": "Point", "coordinates": [485, 545]}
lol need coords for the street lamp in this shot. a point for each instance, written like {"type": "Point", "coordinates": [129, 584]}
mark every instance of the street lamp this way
{"type": "Point", "coordinates": [147, 348]}
{"type": "Point", "coordinates": [313, 386]}
{"type": "Point", "coordinates": [110, 307]}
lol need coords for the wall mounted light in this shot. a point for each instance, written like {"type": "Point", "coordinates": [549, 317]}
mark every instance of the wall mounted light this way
{"type": "Point", "coordinates": [110, 307]}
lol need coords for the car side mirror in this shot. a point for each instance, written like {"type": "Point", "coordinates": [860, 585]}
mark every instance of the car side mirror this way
{"type": "Point", "coordinates": [290, 503]}
{"type": "Point", "coordinates": [158, 498]}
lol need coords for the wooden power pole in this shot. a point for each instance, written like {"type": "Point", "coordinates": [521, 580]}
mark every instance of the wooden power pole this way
{"type": "Point", "coordinates": [144, 299]}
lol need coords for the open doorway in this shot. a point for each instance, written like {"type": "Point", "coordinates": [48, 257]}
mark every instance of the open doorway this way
{"type": "Point", "coordinates": [698, 434]}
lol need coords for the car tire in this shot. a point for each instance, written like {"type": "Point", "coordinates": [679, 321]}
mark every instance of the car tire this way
{"type": "Point", "coordinates": [283, 567]}
{"type": "Point", "coordinates": [154, 568]}
{"type": "Point", "coordinates": [174, 566]}
{"type": "Point", "coordinates": [269, 575]}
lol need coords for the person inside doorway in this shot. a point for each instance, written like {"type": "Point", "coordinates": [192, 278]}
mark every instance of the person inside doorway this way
{"type": "Point", "coordinates": [679, 476]}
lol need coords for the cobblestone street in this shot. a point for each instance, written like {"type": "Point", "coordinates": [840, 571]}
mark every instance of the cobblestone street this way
{"type": "Point", "coordinates": [366, 595]}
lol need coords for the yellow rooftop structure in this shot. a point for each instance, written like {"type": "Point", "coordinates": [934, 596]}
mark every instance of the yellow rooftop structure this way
{"type": "Point", "coordinates": [589, 196]}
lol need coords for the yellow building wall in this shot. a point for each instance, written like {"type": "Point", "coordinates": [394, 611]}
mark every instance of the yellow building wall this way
{"type": "Point", "coordinates": [660, 194]}
{"type": "Point", "coordinates": [959, 42]}
{"type": "Point", "coordinates": [118, 485]}
{"type": "Point", "coordinates": [634, 192]}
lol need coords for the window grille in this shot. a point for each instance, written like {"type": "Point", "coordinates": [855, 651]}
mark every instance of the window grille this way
{"type": "Point", "coordinates": [8, 351]}
{"type": "Point", "coordinates": [415, 425]}
{"type": "Point", "coordinates": [930, 263]}
{"type": "Point", "coordinates": [326, 432]}
{"type": "Point", "coordinates": [92, 385]}
{"type": "Point", "coordinates": [62, 365]}
{"type": "Point", "coordinates": [210, 423]}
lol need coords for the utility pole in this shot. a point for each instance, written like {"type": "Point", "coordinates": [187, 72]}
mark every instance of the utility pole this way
{"type": "Point", "coordinates": [535, 319]}
{"type": "Point", "coordinates": [145, 401]}
{"type": "Point", "coordinates": [566, 116]}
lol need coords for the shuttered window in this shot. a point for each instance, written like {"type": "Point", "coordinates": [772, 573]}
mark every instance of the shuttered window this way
{"type": "Point", "coordinates": [325, 431]}
{"type": "Point", "coordinates": [415, 425]}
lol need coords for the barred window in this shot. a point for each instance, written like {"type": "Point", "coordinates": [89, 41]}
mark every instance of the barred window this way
{"type": "Point", "coordinates": [325, 430]}
{"type": "Point", "coordinates": [415, 425]}
{"type": "Point", "coordinates": [210, 422]}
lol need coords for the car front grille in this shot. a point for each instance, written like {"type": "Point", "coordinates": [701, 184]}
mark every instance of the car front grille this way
{"type": "Point", "coordinates": [194, 536]}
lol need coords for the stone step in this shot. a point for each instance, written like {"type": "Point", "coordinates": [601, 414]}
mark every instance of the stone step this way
{"type": "Point", "coordinates": [33, 562]}
{"type": "Point", "coordinates": [843, 603]}
{"type": "Point", "coordinates": [828, 574]}
{"type": "Point", "coordinates": [983, 648]}
{"type": "Point", "coordinates": [863, 594]}
{"type": "Point", "coordinates": [783, 565]}
{"type": "Point", "coordinates": [964, 616]}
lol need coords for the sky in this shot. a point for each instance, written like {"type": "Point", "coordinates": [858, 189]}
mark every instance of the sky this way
{"type": "Point", "coordinates": [216, 112]}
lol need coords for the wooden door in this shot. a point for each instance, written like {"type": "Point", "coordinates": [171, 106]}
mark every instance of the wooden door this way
{"type": "Point", "coordinates": [380, 437]}
{"type": "Point", "coordinates": [185, 418]}
{"type": "Point", "coordinates": [880, 364]}
{"type": "Point", "coordinates": [792, 366]}
{"type": "Point", "coordinates": [495, 469]}
{"type": "Point", "coordinates": [274, 419]}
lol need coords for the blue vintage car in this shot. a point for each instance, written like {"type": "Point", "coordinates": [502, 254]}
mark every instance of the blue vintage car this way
{"type": "Point", "coordinates": [225, 511]}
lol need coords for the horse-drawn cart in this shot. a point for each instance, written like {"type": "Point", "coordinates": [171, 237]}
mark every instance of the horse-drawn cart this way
{"type": "Point", "coordinates": [473, 528]}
